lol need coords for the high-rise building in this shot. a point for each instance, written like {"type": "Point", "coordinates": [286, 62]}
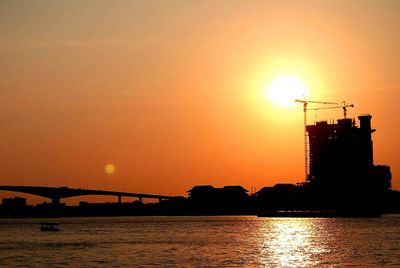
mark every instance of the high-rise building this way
{"type": "Point", "coordinates": [341, 162]}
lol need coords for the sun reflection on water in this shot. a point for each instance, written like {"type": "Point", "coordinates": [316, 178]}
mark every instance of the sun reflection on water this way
{"type": "Point", "coordinates": [291, 243]}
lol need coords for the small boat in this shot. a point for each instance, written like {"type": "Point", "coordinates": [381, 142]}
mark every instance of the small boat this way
{"type": "Point", "coordinates": [49, 227]}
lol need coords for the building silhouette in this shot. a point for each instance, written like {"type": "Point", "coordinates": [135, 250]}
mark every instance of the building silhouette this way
{"type": "Point", "coordinates": [341, 165]}
{"type": "Point", "coordinates": [14, 203]}
{"type": "Point", "coordinates": [280, 197]}
{"type": "Point", "coordinates": [226, 200]}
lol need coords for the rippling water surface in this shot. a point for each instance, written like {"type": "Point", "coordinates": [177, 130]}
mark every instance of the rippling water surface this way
{"type": "Point", "coordinates": [201, 241]}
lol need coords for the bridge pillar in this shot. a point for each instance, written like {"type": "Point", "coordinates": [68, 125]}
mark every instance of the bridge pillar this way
{"type": "Point", "coordinates": [55, 200]}
{"type": "Point", "coordinates": [119, 199]}
{"type": "Point", "coordinates": [159, 200]}
{"type": "Point", "coordinates": [141, 199]}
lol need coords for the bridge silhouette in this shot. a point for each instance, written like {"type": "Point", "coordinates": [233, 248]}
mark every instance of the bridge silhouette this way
{"type": "Point", "coordinates": [58, 193]}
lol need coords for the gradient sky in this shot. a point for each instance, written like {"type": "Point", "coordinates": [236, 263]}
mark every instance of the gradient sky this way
{"type": "Point", "coordinates": [173, 92]}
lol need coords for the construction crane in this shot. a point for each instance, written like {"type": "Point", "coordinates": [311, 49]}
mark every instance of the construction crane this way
{"type": "Point", "coordinates": [344, 106]}
{"type": "Point", "coordinates": [305, 105]}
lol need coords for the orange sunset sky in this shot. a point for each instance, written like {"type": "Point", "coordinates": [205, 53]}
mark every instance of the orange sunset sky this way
{"type": "Point", "coordinates": [173, 93]}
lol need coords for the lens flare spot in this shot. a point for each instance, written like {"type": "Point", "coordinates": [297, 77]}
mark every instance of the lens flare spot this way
{"type": "Point", "coordinates": [109, 168]}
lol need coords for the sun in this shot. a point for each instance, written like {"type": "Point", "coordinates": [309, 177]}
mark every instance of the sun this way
{"type": "Point", "coordinates": [284, 89]}
{"type": "Point", "coordinates": [109, 168]}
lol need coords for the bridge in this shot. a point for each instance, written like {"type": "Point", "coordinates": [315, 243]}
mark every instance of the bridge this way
{"type": "Point", "coordinates": [58, 193]}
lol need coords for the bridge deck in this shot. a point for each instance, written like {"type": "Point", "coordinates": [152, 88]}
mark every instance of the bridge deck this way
{"type": "Point", "coordinates": [57, 193]}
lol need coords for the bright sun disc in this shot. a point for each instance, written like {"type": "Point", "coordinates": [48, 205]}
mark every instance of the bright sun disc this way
{"type": "Point", "coordinates": [285, 89]}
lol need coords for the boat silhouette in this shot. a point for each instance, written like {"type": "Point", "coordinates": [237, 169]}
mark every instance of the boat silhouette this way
{"type": "Point", "coordinates": [49, 227]}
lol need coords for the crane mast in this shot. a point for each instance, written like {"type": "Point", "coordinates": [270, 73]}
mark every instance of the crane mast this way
{"type": "Point", "coordinates": [305, 105]}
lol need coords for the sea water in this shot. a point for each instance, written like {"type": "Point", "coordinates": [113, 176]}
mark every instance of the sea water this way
{"type": "Point", "coordinates": [234, 241]}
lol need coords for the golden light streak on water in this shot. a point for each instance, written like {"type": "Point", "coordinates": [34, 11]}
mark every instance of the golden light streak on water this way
{"type": "Point", "coordinates": [292, 242]}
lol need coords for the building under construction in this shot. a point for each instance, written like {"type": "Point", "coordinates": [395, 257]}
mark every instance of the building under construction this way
{"type": "Point", "coordinates": [341, 165]}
